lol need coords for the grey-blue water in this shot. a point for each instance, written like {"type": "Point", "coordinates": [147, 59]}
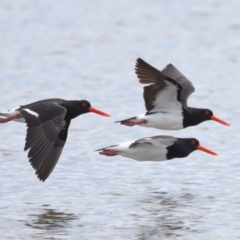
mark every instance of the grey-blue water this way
{"type": "Point", "coordinates": [87, 50]}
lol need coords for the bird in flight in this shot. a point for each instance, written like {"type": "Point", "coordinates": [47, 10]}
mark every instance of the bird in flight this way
{"type": "Point", "coordinates": [166, 100]}
{"type": "Point", "coordinates": [47, 128]}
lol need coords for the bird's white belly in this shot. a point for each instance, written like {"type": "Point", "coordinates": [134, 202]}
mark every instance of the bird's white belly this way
{"type": "Point", "coordinates": [168, 121]}
{"type": "Point", "coordinates": [143, 152]}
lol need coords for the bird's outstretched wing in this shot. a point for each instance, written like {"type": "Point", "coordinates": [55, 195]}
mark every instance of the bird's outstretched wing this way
{"type": "Point", "coordinates": [163, 94]}
{"type": "Point", "coordinates": [50, 161]}
{"type": "Point", "coordinates": [187, 86]}
{"type": "Point", "coordinates": [44, 124]}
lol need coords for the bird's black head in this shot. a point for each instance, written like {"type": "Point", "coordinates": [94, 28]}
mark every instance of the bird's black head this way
{"type": "Point", "coordinates": [191, 143]}
{"type": "Point", "coordinates": [182, 147]}
{"type": "Point", "coordinates": [204, 114]}
{"type": "Point", "coordinates": [76, 108]}
{"type": "Point", "coordinates": [194, 116]}
{"type": "Point", "coordinates": [86, 107]}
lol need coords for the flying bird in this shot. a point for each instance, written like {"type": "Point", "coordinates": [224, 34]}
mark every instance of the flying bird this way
{"type": "Point", "coordinates": [47, 128]}
{"type": "Point", "coordinates": [157, 148]}
{"type": "Point", "coordinates": [166, 100]}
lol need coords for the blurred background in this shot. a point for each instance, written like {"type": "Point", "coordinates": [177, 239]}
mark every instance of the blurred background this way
{"type": "Point", "coordinates": [87, 50]}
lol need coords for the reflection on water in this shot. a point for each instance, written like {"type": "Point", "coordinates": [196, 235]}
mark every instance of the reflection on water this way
{"type": "Point", "coordinates": [164, 220]}
{"type": "Point", "coordinates": [51, 221]}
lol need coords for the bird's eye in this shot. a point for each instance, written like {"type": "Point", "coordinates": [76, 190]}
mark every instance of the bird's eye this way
{"type": "Point", "coordinates": [193, 142]}
{"type": "Point", "coordinates": [207, 113]}
{"type": "Point", "coordinates": [84, 104]}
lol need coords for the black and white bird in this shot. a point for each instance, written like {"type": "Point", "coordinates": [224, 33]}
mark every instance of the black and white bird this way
{"type": "Point", "coordinates": [47, 128]}
{"type": "Point", "coordinates": [157, 148]}
{"type": "Point", "coordinates": [166, 100]}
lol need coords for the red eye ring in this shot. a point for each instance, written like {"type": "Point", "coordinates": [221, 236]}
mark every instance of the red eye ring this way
{"type": "Point", "coordinates": [207, 113]}
{"type": "Point", "coordinates": [193, 142]}
{"type": "Point", "coordinates": [84, 104]}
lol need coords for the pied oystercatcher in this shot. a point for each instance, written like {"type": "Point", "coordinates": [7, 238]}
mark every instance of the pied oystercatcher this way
{"type": "Point", "coordinates": [157, 148]}
{"type": "Point", "coordinates": [166, 100]}
{"type": "Point", "coordinates": [47, 128]}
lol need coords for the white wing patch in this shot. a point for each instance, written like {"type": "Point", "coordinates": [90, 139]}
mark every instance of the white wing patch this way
{"type": "Point", "coordinates": [31, 112]}
{"type": "Point", "coordinates": [166, 100]}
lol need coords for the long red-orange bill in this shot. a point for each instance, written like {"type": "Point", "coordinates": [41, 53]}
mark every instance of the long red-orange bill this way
{"type": "Point", "coordinates": [220, 121]}
{"type": "Point", "coordinates": [206, 150]}
{"type": "Point", "coordinates": [92, 109]}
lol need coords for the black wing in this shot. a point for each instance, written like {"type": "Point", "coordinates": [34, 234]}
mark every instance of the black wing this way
{"type": "Point", "coordinates": [44, 122]}
{"type": "Point", "coordinates": [163, 93]}
{"type": "Point", "coordinates": [149, 74]}
{"type": "Point", "coordinates": [50, 161]}
{"type": "Point", "coordinates": [187, 86]}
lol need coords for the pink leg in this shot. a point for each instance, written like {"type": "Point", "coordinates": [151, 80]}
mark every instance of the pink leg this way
{"type": "Point", "coordinates": [7, 119]}
{"type": "Point", "coordinates": [130, 124]}
{"type": "Point", "coordinates": [109, 153]}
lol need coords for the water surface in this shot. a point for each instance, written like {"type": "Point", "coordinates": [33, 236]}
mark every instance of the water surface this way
{"type": "Point", "coordinates": [87, 50]}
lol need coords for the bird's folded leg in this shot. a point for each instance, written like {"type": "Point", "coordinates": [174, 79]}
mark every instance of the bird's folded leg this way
{"type": "Point", "coordinates": [130, 123]}
{"type": "Point", "coordinates": [109, 153]}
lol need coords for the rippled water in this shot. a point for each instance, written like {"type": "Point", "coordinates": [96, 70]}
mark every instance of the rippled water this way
{"type": "Point", "coordinates": [87, 50]}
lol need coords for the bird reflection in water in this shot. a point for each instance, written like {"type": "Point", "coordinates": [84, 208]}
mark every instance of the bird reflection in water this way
{"type": "Point", "coordinates": [51, 221]}
{"type": "Point", "coordinates": [164, 216]}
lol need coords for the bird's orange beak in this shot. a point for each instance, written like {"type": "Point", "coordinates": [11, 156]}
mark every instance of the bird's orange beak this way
{"type": "Point", "coordinates": [206, 150]}
{"type": "Point", "coordinates": [220, 121]}
{"type": "Point", "coordinates": [92, 109]}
